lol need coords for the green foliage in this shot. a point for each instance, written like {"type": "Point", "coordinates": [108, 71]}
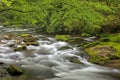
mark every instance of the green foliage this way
{"type": "Point", "coordinates": [56, 16]}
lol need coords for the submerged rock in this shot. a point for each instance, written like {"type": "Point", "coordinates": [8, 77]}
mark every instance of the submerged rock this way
{"type": "Point", "coordinates": [74, 59]}
{"type": "Point", "coordinates": [15, 70]}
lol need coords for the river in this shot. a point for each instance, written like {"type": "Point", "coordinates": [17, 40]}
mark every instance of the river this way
{"type": "Point", "coordinates": [48, 61]}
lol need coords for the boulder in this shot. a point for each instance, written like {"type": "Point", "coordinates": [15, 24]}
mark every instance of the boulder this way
{"type": "Point", "coordinates": [15, 70]}
{"type": "Point", "coordinates": [100, 54]}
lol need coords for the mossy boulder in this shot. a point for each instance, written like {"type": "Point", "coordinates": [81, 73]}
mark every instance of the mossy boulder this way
{"type": "Point", "coordinates": [21, 48]}
{"type": "Point", "coordinates": [15, 70]}
{"type": "Point", "coordinates": [30, 39]}
{"type": "Point", "coordinates": [100, 54]}
{"type": "Point", "coordinates": [62, 37]}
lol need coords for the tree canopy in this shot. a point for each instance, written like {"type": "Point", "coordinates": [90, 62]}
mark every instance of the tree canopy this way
{"type": "Point", "coordinates": [59, 16]}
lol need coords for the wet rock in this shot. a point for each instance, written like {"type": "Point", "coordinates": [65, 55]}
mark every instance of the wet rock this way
{"type": "Point", "coordinates": [7, 78]}
{"type": "Point", "coordinates": [15, 70]}
{"type": "Point", "coordinates": [20, 48]}
{"type": "Point", "coordinates": [32, 43]}
{"type": "Point", "coordinates": [1, 63]}
{"type": "Point", "coordinates": [74, 59]}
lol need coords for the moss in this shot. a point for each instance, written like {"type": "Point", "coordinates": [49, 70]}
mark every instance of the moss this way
{"type": "Point", "coordinates": [95, 58]}
{"type": "Point", "coordinates": [26, 35]}
{"type": "Point", "coordinates": [91, 44]}
{"type": "Point", "coordinates": [111, 37]}
{"type": "Point", "coordinates": [62, 37]}
{"type": "Point", "coordinates": [85, 35]}
{"type": "Point", "coordinates": [104, 39]}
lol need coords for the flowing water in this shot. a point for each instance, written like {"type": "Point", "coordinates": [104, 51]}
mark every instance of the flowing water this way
{"type": "Point", "coordinates": [50, 62]}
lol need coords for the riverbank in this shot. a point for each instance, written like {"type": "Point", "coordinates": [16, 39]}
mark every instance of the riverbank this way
{"type": "Point", "coordinates": [105, 51]}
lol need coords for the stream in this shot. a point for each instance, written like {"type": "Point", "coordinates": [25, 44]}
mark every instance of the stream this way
{"type": "Point", "coordinates": [49, 61]}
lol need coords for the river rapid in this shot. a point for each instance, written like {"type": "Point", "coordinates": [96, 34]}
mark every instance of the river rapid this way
{"type": "Point", "coordinates": [50, 61]}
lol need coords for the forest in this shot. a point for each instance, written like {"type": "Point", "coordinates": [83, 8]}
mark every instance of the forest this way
{"type": "Point", "coordinates": [62, 16]}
